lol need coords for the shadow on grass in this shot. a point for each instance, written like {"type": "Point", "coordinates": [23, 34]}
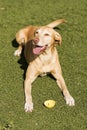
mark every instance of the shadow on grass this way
{"type": "Point", "coordinates": [14, 43]}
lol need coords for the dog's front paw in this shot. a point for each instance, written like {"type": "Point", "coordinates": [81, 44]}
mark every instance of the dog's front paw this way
{"type": "Point", "coordinates": [70, 101]}
{"type": "Point", "coordinates": [17, 53]}
{"type": "Point", "coordinates": [28, 107]}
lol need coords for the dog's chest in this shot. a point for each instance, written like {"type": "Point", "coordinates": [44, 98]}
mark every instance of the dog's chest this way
{"type": "Point", "coordinates": [46, 63]}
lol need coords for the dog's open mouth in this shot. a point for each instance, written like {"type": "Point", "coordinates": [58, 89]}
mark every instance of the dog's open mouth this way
{"type": "Point", "coordinates": [39, 49]}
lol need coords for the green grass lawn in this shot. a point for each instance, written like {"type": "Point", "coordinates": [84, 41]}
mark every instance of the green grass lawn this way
{"type": "Point", "coordinates": [17, 14]}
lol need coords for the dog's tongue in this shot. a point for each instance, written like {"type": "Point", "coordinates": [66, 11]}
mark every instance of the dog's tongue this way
{"type": "Point", "coordinates": [38, 50]}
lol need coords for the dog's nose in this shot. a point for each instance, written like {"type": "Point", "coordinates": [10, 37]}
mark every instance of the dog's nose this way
{"type": "Point", "coordinates": [36, 40]}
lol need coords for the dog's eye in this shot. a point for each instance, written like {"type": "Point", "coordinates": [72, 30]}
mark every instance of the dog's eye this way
{"type": "Point", "coordinates": [46, 34]}
{"type": "Point", "coordinates": [36, 32]}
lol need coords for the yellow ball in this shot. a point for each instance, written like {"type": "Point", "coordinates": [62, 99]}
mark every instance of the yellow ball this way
{"type": "Point", "coordinates": [49, 103]}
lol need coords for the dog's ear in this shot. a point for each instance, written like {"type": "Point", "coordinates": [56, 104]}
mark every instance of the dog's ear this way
{"type": "Point", "coordinates": [58, 38]}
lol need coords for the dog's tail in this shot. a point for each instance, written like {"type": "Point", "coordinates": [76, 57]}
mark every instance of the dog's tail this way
{"type": "Point", "coordinates": [56, 23]}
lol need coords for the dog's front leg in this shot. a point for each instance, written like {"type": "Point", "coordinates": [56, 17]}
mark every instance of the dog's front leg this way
{"type": "Point", "coordinates": [31, 75]}
{"type": "Point", "coordinates": [28, 97]}
{"type": "Point", "coordinates": [61, 83]}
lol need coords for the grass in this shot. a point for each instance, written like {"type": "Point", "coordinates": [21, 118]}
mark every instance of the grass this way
{"type": "Point", "coordinates": [73, 58]}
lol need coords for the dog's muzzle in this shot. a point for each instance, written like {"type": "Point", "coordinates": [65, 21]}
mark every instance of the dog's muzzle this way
{"type": "Point", "coordinates": [38, 49]}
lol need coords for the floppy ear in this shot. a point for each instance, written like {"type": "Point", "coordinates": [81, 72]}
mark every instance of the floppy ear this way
{"type": "Point", "coordinates": [58, 38]}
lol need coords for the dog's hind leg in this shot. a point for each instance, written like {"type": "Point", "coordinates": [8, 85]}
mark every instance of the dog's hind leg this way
{"type": "Point", "coordinates": [18, 51]}
{"type": "Point", "coordinates": [21, 39]}
{"type": "Point", "coordinates": [21, 42]}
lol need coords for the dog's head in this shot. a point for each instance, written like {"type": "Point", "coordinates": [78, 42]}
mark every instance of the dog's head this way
{"type": "Point", "coordinates": [45, 38]}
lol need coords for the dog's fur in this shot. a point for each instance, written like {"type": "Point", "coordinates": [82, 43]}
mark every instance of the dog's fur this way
{"type": "Point", "coordinates": [42, 57]}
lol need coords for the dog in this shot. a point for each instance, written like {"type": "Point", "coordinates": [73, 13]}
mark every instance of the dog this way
{"type": "Point", "coordinates": [40, 52]}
